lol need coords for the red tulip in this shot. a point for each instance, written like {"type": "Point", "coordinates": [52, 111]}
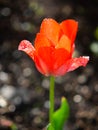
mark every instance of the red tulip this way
{"type": "Point", "coordinates": [53, 48]}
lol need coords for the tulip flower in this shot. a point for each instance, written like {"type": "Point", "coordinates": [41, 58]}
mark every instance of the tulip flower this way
{"type": "Point", "coordinates": [52, 54]}
{"type": "Point", "coordinates": [53, 48]}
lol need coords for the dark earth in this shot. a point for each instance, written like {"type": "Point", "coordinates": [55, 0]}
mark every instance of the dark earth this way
{"type": "Point", "coordinates": [24, 92]}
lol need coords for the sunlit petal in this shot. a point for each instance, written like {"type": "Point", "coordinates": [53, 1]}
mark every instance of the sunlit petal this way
{"type": "Point", "coordinates": [71, 65]}
{"type": "Point", "coordinates": [77, 62]}
{"type": "Point", "coordinates": [69, 28]}
{"type": "Point", "coordinates": [50, 28]}
{"type": "Point", "coordinates": [41, 41]}
{"type": "Point", "coordinates": [27, 47]}
{"type": "Point", "coordinates": [65, 43]}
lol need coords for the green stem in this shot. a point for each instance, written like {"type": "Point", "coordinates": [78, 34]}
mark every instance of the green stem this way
{"type": "Point", "coordinates": [51, 98]}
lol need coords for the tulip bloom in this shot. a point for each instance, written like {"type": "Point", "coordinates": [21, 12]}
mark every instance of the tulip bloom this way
{"type": "Point", "coordinates": [53, 48]}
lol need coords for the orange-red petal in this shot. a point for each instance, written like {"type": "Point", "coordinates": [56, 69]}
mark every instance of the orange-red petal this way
{"type": "Point", "coordinates": [77, 62]}
{"type": "Point", "coordinates": [50, 28]}
{"type": "Point", "coordinates": [41, 66]}
{"type": "Point", "coordinates": [50, 59]}
{"type": "Point", "coordinates": [69, 28]}
{"type": "Point", "coordinates": [60, 57]}
{"type": "Point", "coordinates": [65, 43]}
{"type": "Point", "coordinates": [41, 41]}
{"type": "Point", "coordinates": [71, 65]}
{"type": "Point", "coordinates": [27, 47]}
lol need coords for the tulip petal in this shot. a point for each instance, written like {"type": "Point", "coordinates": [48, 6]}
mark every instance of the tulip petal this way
{"type": "Point", "coordinates": [45, 59]}
{"type": "Point", "coordinates": [69, 28]}
{"type": "Point", "coordinates": [41, 66]}
{"type": "Point", "coordinates": [50, 59]}
{"type": "Point", "coordinates": [27, 47]}
{"type": "Point", "coordinates": [41, 41]}
{"type": "Point", "coordinates": [71, 65]}
{"type": "Point", "coordinates": [60, 57]}
{"type": "Point", "coordinates": [50, 28]}
{"type": "Point", "coordinates": [64, 43]}
{"type": "Point", "coordinates": [77, 62]}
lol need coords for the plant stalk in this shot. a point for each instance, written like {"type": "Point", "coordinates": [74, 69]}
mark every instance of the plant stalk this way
{"type": "Point", "coordinates": [51, 98]}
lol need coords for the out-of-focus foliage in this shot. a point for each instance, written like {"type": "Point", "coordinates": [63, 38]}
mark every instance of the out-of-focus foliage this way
{"type": "Point", "coordinates": [96, 33]}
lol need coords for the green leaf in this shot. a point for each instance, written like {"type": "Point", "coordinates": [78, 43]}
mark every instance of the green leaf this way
{"type": "Point", "coordinates": [50, 127]}
{"type": "Point", "coordinates": [13, 127]}
{"type": "Point", "coordinates": [61, 115]}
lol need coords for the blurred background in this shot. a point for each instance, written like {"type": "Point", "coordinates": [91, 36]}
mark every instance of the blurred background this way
{"type": "Point", "coordinates": [24, 92]}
